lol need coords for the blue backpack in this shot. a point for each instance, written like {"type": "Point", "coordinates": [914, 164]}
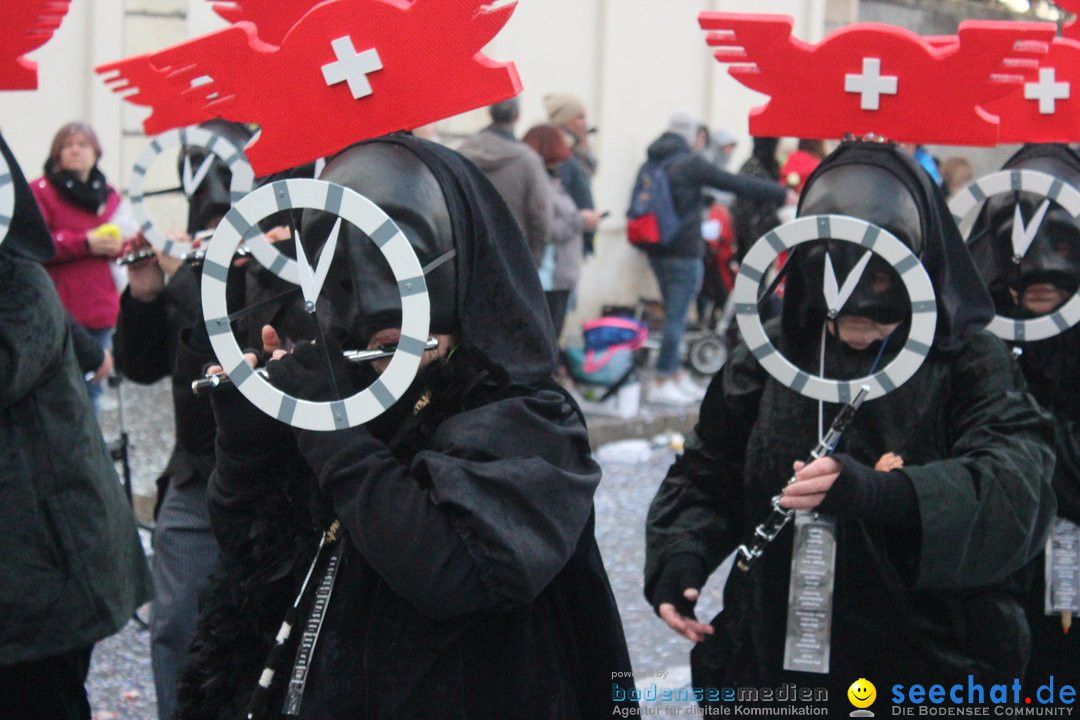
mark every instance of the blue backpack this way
{"type": "Point", "coordinates": [651, 220]}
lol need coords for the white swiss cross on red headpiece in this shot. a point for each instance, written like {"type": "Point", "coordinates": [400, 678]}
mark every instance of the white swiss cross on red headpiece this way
{"type": "Point", "coordinates": [346, 70]}
{"type": "Point", "coordinates": [873, 78]}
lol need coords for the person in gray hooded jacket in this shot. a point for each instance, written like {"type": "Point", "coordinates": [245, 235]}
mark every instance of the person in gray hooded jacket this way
{"type": "Point", "coordinates": [517, 172]}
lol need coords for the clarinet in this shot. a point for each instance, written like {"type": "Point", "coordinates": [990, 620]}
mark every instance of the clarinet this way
{"type": "Point", "coordinates": [780, 516]}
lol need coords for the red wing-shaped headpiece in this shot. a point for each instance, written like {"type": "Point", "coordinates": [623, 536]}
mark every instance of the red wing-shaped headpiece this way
{"type": "Point", "coordinates": [873, 78]}
{"type": "Point", "coordinates": [347, 71]}
{"type": "Point", "coordinates": [1071, 29]}
{"type": "Point", "coordinates": [26, 25]}
{"type": "Point", "coordinates": [272, 18]}
{"type": "Point", "coordinates": [141, 83]}
{"type": "Point", "coordinates": [1048, 109]}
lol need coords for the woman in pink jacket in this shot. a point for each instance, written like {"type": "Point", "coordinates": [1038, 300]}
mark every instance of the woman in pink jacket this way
{"type": "Point", "coordinates": [79, 207]}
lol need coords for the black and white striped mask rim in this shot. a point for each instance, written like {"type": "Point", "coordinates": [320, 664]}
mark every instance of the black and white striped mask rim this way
{"type": "Point", "coordinates": [965, 205]}
{"type": "Point", "coordinates": [873, 238]}
{"type": "Point", "coordinates": [7, 198]}
{"type": "Point", "coordinates": [361, 212]}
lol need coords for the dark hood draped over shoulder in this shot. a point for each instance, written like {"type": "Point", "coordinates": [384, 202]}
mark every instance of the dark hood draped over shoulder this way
{"type": "Point", "coordinates": [28, 236]}
{"type": "Point", "coordinates": [500, 303]}
{"type": "Point", "coordinates": [963, 304]}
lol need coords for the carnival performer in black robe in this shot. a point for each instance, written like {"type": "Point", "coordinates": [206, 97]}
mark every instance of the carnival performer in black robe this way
{"type": "Point", "coordinates": [470, 583]}
{"type": "Point", "coordinates": [160, 333]}
{"type": "Point", "coordinates": [1041, 283]}
{"type": "Point", "coordinates": [940, 488]}
{"type": "Point", "coordinates": [72, 569]}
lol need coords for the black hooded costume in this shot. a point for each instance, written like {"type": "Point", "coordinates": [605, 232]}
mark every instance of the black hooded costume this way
{"type": "Point", "coordinates": [927, 556]}
{"type": "Point", "coordinates": [471, 584]}
{"type": "Point", "coordinates": [72, 570]}
{"type": "Point", "coordinates": [165, 337]}
{"type": "Point", "coordinates": [1051, 366]}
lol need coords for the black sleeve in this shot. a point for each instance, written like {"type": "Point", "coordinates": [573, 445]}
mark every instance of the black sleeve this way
{"type": "Point", "coordinates": [33, 331]}
{"type": "Point", "coordinates": [708, 174]}
{"type": "Point", "coordinates": [88, 352]}
{"type": "Point", "coordinates": [1067, 468]}
{"type": "Point", "coordinates": [698, 507]}
{"type": "Point", "coordinates": [142, 346]}
{"type": "Point", "coordinates": [483, 519]}
{"type": "Point", "coordinates": [985, 510]}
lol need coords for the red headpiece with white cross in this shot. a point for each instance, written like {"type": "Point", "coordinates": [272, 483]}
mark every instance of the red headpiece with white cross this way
{"type": "Point", "coordinates": [1048, 110]}
{"type": "Point", "coordinates": [27, 25]}
{"type": "Point", "coordinates": [144, 79]}
{"type": "Point", "coordinates": [347, 70]}
{"type": "Point", "coordinates": [872, 78]}
{"type": "Point", "coordinates": [273, 18]}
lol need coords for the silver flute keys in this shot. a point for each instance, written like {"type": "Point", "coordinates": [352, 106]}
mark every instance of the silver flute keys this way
{"type": "Point", "coordinates": [780, 516]}
{"type": "Point", "coordinates": [195, 256]}
{"type": "Point", "coordinates": [355, 357]}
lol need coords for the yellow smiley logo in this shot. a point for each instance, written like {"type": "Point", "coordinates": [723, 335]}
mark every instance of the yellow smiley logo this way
{"type": "Point", "coordinates": [862, 693]}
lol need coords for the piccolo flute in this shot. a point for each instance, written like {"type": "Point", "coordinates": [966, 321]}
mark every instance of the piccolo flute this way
{"type": "Point", "coordinates": [780, 516]}
{"type": "Point", "coordinates": [354, 357]}
{"type": "Point", "coordinates": [194, 256]}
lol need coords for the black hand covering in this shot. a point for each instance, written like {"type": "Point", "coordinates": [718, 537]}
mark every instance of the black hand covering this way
{"type": "Point", "coordinates": [313, 373]}
{"type": "Point", "coordinates": [28, 236]}
{"type": "Point", "coordinates": [682, 571]}
{"type": "Point", "coordinates": [860, 492]}
{"type": "Point", "coordinates": [243, 429]}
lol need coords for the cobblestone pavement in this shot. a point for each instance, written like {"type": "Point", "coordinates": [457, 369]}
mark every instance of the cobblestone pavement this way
{"type": "Point", "coordinates": [120, 683]}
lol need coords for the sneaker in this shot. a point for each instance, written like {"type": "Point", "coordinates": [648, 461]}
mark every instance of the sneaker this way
{"type": "Point", "coordinates": [689, 387]}
{"type": "Point", "coordinates": [668, 393]}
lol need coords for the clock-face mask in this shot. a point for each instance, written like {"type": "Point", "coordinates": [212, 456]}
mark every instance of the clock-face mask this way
{"type": "Point", "coordinates": [1027, 246]}
{"type": "Point", "coordinates": [361, 295]}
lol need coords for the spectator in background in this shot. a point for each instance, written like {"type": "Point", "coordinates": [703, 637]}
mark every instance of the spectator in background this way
{"type": "Point", "coordinates": [754, 218]}
{"type": "Point", "coordinates": [679, 265]}
{"type": "Point", "coordinates": [567, 112]}
{"type": "Point", "coordinates": [723, 147]}
{"type": "Point", "coordinates": [89, 224]}
{"type": "Point", "coordinates": [956, 172]}
{"type": "Point", "coordinates": [516, 171]}
{"type": "Point", "coordinates": [72, 570]}
{"type": "Point", "coordinates": [562, 257]}
{"type": "Point", "coordinates": [801, 163]}
{"type": "Point", "coordinates": [925, 160]}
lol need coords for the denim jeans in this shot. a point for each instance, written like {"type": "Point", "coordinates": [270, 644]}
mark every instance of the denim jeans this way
{"type": "Point", "coordinates": [680, 280]}
{"type": "Point", "coordinates": [104, 338]}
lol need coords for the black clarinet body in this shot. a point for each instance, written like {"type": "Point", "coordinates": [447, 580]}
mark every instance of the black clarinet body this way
{"type": "Point", "coordinates": [780, 516]}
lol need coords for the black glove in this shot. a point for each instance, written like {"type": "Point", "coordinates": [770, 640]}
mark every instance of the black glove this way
{"type": "Point", "coordinates": [682, 571]}
{"type": "Point", "coordinates": [862, 493]}
{"type": "Point", "coordinates": [305, 373]}
{"type": "Point", "coordinates": [244, 429]}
